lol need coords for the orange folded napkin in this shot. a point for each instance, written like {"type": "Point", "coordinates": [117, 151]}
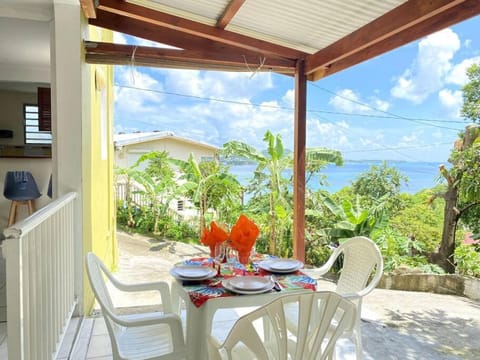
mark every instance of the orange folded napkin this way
{"type": "Point", "coordinates": [213, 236]}
{"type": "Point", "coordinates": [243, 236]}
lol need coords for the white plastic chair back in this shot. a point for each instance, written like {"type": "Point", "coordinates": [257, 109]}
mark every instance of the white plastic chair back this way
{"type": "Point", "coordinates": [96, 269]}
{"type": "Point", "coordinates": [263, 334]}
{"type": "Point", "coordinates": [362, 270]}
{"type": "Point", "coordinates": [360, 257]}
{"type": "Point", "coordinates": [137, 336]}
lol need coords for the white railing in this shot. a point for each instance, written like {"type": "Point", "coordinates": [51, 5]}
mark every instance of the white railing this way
{"type": "Point", "coordinates": [39, 254]}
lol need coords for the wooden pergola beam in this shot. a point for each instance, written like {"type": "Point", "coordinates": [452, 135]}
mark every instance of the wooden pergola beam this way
{"type": "Point", "coordinates": [120, 54]}
{"type": "Point", "coordinates": [401, 23]}
{"type": "Point", "coordinates": [88, 7]}
{"type": "Point", "coordinates": [161, 35]}
{"type": "Point", "coordinates": [229, 13]}
{"type": "Point", "coordinates": [158, 21]}
{"type": "Point", "coordinates": [463, 11]}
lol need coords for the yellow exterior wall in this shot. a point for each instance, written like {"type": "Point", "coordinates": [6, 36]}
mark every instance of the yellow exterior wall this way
{"type": "Point", "coordinates": [98, 154]}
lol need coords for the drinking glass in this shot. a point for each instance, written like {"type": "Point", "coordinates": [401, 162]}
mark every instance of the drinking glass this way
{"type": "Point", "coordinates": [218, 256]}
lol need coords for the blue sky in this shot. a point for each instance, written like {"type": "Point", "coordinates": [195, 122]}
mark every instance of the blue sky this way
{"type": "Point", "coordinates": [403, 105]}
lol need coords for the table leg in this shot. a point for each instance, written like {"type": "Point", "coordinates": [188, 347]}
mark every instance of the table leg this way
{"type": "Point", "coordinates": [195, 336]}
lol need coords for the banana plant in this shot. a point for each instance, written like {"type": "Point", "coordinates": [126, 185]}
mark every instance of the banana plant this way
{"type": "Point", "coordinates": [207, 184]}
{"type": "Point", "coordinates": [269, 180]}
{"type": "Point", "coordinates": [352, 219]}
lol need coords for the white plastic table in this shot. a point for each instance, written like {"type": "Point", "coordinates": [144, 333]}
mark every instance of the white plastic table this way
{"type": "Point", "coordinates": [199, 319]}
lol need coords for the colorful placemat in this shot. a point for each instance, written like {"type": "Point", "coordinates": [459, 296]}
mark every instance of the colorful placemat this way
{"type": "Point", "coordinates": [201, 291]}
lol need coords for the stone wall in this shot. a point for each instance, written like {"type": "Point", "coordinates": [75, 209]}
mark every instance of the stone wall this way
{"type": "Point", "coordinates": [440, 284]}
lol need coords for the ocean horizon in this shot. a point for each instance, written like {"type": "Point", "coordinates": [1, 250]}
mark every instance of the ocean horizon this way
{"type": "Point", "coordinates": [421, 175]}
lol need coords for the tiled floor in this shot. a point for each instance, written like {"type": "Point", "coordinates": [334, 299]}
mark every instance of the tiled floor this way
{"type": "Point", "coordinates": [94, 343]}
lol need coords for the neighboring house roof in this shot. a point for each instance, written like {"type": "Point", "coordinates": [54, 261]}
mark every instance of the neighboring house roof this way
{"type": "Point", "coordinates": [120, 140]}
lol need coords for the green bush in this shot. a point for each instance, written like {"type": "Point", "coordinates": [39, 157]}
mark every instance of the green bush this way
{"type": "Point", "coordinates": [420, 220]}
{"type": "Point", "coordinates": [402, 251]}
{"type": "Point", "coordinates": [467, 259]}
{"type": "Point", "coordinates": [181, 231]}
{"type": "Point", "coordinates": [143, 223]}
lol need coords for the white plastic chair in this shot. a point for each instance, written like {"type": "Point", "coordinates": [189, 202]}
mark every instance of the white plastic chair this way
{"type": "Point", "coordinates": [154, 335]}
{"type": "Point", "coordinates": [263, 334]}
{"type": "Point", "coordinates": [361, 257]}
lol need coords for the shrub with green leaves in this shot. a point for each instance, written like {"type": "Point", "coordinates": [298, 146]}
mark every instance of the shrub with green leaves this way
{"type": "Point", "coordinates": [467, 259]}
{"type": "Point", "coordinates": [401, 251]}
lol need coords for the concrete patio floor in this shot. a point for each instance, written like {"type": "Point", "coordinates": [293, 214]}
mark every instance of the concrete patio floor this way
{"type": "Point", "coordinates": [396, 324]}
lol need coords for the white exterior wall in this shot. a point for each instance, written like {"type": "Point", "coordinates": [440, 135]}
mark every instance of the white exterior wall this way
{"type": "Point", "coordinates": [69, 76]}
{"type": "Point", "coordinates": [176, 148]}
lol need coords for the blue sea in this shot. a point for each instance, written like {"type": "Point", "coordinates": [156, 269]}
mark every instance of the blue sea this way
{"type": "Point", "coordinates": [421, 175]}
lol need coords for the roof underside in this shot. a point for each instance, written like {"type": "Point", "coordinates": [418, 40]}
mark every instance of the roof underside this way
{"type": "Point", "coordinates": [266, 35]}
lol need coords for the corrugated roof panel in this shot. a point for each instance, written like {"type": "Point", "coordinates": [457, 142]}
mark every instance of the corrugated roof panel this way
{"type": "Point", "coordinates": [203, 11]}
{"type": "Point", "coordinates": [306, 25]}
{"type": "Point", "coordinates": [288, 23]}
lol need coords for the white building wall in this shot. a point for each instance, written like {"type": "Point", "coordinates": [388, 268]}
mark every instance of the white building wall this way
{"type": "Point", "coordinates": [176, 149]}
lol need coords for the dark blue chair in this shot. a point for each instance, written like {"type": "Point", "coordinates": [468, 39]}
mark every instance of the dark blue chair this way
{"type": "Point", "coordinates": [20, 187]}
{"type": "Point", "coordinates": [49, 190]}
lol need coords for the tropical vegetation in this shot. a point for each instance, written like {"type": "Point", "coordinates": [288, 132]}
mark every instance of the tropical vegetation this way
{"type": "Point", "coordinates": [423, 230]}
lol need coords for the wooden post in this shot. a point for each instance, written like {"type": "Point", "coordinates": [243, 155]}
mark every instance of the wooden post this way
{"type": "Point", "coordinates": [299, 162]}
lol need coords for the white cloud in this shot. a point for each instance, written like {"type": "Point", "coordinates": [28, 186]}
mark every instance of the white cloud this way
{"type": "Point", "coordinates": [427, 73]}
{"type": "Point", "coordinates": [213, 121]}
{"type": "Point", "coordinates": [328, 134]}
{"type": "Point", "coordinates": [131, 102]}
{"type": "Point", "coordinates": [381, 104]}
{"type": "Point", "coordinates": [412, 139]}
{"type": "Point", "coordinates": [119, 38]}
{"type": "Point", "coordinates": [216, 84]}
{"type": "Point", "coordinates": [458, 74]}
{"type": "Point", "coordinates": [349, 101]}
{"type": "Point", "coordinates": [451, 100]}
{"type": "Point", "coordinates": [289, 98]}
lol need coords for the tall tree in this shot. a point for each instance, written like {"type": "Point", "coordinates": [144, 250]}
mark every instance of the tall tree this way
{"type": "Point", "coordinates": [471, 94]}
{"type": "Point", "coordinates": [380, 182]}
{"type": "Point", "coordinates": [463, 192]}
{"type": "Point", "coordinates": [463, 179]}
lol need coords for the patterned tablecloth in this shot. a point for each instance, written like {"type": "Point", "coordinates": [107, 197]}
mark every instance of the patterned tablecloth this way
{"type": "Point", "coordinates": [201, 291]}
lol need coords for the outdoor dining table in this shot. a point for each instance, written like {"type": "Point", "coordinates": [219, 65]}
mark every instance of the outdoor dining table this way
{"type": "Point", "coordinates": [203, 299]}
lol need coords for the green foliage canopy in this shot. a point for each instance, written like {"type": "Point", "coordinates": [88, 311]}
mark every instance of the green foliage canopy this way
{"type": "Point", "coordinates": [471, 94]}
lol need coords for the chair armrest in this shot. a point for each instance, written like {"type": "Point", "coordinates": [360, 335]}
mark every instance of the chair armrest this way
{"type": "Point", "coordinates": [352, 296]}
{"type": "Point", "coordinates": [151, 286]}
{"type": "Point", "coordinates": [171, 320]}
{"type": "Point", "coordinates": [162, 287]}
{"type": "Point", "coordinates": [316, 273]}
